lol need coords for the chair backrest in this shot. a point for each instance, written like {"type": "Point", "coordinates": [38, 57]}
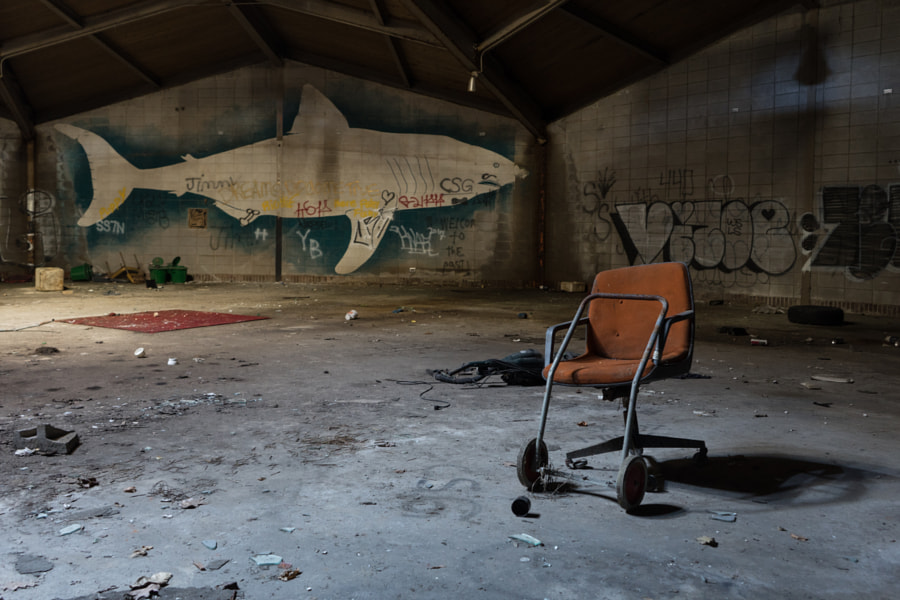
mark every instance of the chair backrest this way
{"type": "Point", "coordinates": [621, 328]}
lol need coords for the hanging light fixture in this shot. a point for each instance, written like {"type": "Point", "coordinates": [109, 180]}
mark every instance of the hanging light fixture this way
{"type": "Point", "coordinates": [472, 78]}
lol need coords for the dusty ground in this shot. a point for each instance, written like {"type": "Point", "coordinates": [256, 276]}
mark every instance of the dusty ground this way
{"type": "Point", "coordinates": [325, 442]}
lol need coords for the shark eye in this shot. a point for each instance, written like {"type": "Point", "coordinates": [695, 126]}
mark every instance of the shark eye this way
{"type": "Point", "coordinates": [496, 165]}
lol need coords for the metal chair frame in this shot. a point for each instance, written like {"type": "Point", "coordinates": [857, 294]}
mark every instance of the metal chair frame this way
{"type": "Point", "coordinates": [633, 474]}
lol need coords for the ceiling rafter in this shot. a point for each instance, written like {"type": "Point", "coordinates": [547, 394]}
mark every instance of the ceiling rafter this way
{"type": "Point", "coordinates": [617, 34]}
{"type": "Point", "coordinates": [258, 28]}
{"type": "Point", "coordinates": [361, 19]}
{"type": "Point", "coordinates": [394, 48]}
{"type": "Point", "coordinates": [460, 42]}
{"type": "Point", "coordinates": [64, 12]}
{"type": "Point", "coordinates": [129, 62]}
{"type": "Point", "coordinates": [504, 32]}
{"type": "Point", "coordinates": [92, 25]}
{"type": "Point", "coordinates": [12, 96]}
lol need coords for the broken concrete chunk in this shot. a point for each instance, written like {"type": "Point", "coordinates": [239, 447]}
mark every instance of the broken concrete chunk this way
{"type": "Point", "coordinates": [71, 529]}
{"type": "Point", "coordinates": [48, 439]}
{"type": "Point", "coordinates": [30, 564]}
{"type": "Point", "coordinates": [266, 560]}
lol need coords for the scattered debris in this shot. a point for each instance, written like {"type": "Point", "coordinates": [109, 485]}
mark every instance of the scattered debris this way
{"type": "Point", "coordinates": [288, 529]}
{"type": "Point", "coordinates": [30, 564]}
{"type": "Point", "coordinates": [130, 489]}
{"type": "Point", "coordinates": [211, 544]}
{"type": "Point", "coordinates": [758, 342]}
{"type": "Point", "coordinates": [217, 564]}
{"type": "Point", "coordinates": [832, 378]}
{"type": "Point", "coordinates": [704, 413]}
{"type": "Point", "coordinates": [140, 353]}
{"type": "Point", "coordinates": [694, 376]}
{"type": "Point", "coordinates": [26, 451]}
{"type": "Point", "coordinates": [48, 439]}
{"type": "Point", "coordinates": [289, 574]}
{"type": "Point", "coordinates": [145, 587]}
{"type": "Point", "coordinates": [192, 502]}
{"type": "Point", "coordinates": [768, 309]}
{"type": "Point", "coordinates": [720, 515]}
{"type": "Point", "coordinates": [736, 331]}
{"type": "Point", "coordinates": [172, 362]}
{"type": "Point", "coordinates": [142, 551]}
{"type": "Point", "coordinates": [706, 540]}
{"type": "Point", "coordinates": [892, 340]}
{"type": "Point", "coordinates": [351, 315]}
{"type": "Point", "coordinates": [46, 350]}
{"type": "Point", "coordinates": [71, 529]}
{"type": "Point", "coordinates": [266, 560]}
{"type": "Point", "coordinates": [799, 538]}
{"type": "Point", "coordinates": [524, 537]}
{"type": "Point", "coordinates": [521, 506]}
{"type": "Point", "coordinates": [87, 482]}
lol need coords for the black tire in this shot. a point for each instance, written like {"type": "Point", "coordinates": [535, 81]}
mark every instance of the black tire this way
{"type": "Point", "coordinates": [810, 314]}
{"type": "Point", "coordinates": [530, 463]}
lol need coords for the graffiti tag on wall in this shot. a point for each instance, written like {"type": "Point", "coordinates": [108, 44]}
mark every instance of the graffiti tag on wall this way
{"type": "Point", "coordinates": [858, 231]}
{"type": "Point", "coordinates": [331, 170]}
{"type": "Point", "coordinates": [719, 232]}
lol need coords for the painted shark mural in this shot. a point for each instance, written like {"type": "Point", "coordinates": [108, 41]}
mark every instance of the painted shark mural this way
{"type": "Point", "coordinates": [323, 168]}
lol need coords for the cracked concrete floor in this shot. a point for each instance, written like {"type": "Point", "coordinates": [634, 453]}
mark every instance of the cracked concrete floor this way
{"type": "Point", "coordinates": [326, 443]}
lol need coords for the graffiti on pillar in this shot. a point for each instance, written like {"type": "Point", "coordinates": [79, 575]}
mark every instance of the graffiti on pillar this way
{"type": "Point", "coordinates": [716, 232]}
{"type": "Point", "coordinates": [36, 240]}
{"type": "Point", "coordinates": [857, 233]}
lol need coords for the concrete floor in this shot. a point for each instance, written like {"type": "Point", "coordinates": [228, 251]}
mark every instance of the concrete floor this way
{"type": "Point", "coordinates": [327, 443]}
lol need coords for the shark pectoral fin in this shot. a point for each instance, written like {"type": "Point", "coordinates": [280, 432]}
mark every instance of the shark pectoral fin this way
{"type": "Point", "coordinates": [365, 238]}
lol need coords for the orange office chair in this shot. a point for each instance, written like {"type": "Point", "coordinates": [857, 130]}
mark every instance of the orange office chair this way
{"type": "Point", "coordinates": [639, 327]}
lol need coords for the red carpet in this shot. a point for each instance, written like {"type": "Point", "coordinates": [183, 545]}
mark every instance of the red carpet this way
{"type": "Point", "coordinates": [162, 320]}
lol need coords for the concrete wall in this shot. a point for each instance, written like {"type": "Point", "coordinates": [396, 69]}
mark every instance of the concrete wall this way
{"type": "Point", "coordinates": [768, 162]}
{"type": "Point", "coordinates": [357, 180]}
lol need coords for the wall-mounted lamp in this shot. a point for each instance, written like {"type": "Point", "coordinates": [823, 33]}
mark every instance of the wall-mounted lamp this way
{"type": "Point", "coordinates": [472, 78]}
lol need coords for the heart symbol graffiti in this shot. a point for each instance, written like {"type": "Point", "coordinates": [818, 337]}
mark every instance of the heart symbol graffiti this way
{"type": "Point", "coordinates": [683, 211]}
{"type": "Point", "coordinates": [767, 213]}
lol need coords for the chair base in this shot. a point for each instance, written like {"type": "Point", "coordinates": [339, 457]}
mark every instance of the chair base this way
{"type": "Point", "coordinates": [639, 443]}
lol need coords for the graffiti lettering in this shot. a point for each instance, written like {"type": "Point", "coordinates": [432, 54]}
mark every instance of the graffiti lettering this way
{"type": "Point", "coordinates": [414, 242]}
{"type": "Point", "coordinates": [598, 190]}
{"type": "Point", "coordinates": [455, 185]}
{"type": "Point", "coordinates": [116, 203]}
{"type": "Point", "coordinates": [709, 234]}
{"type": "Point", "coordinates": [109, 226]}
{"type": "Point", "coordinates": [313, 245]}
{"type": "Point", "coordinates": [422, 201]}
{"type": "Point", "coordinates": [199, 185]}
{"type": "Point", "coordinates": [860, 231]}
{"type": "Point", "coordinates": [308, 209]}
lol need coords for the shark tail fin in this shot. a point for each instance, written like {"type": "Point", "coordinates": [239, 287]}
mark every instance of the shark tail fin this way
{"type": "Point", "coordinates": [108, 193]}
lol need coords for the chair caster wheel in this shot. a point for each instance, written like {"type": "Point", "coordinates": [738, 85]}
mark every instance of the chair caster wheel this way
{"type": "Point", "coordinates": [530, 462]}
{"type": "Point", "coordinates": [632, 482]}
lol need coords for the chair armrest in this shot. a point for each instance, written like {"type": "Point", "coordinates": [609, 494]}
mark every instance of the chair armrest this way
{"type": "Point", "coordinates": [550, 339]}
{"type": "Point", "coordinates": [667, 324]}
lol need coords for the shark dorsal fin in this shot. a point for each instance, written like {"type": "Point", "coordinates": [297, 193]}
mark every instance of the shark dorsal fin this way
{"type": "Point", "coordinates": [316, 111]}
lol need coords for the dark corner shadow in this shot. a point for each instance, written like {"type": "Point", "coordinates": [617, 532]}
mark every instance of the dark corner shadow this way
{"type": "Point", "coordinates": [764, 477]}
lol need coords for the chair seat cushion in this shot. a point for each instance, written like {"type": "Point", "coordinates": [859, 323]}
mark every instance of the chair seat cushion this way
{"type": "Point", "coordinates": [589, 369]}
